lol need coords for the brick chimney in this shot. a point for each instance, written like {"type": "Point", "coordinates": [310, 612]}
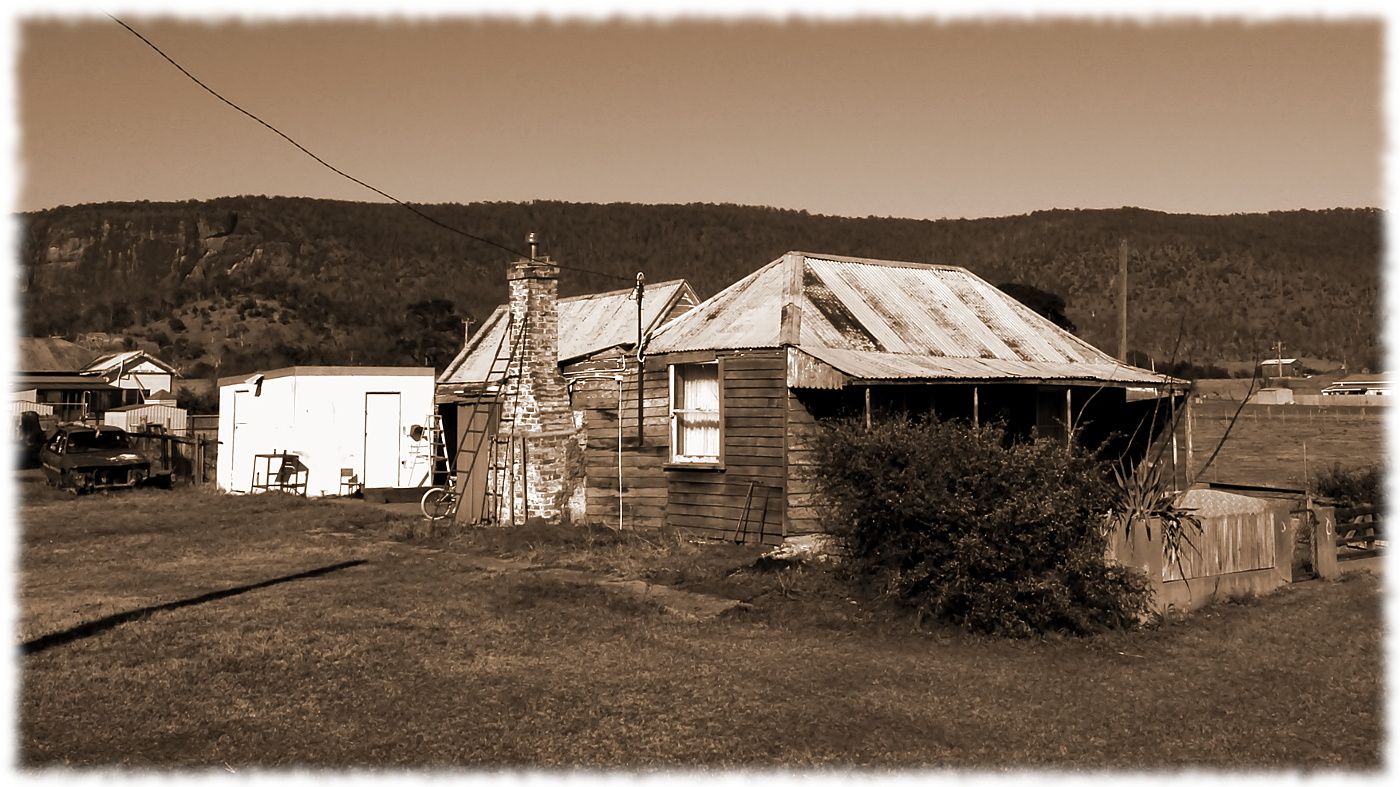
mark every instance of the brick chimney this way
{"type": "Point", "coordinates": [535, 471]}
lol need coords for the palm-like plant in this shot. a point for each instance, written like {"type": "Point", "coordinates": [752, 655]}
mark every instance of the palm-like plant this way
{"type": "Point", "coordinates": [1142, 495]}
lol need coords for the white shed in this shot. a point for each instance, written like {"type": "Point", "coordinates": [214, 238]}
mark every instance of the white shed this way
{"type": "Point", "coordinates": [345, 424]}
{"type": "Point", "coordinates": [135, 417]}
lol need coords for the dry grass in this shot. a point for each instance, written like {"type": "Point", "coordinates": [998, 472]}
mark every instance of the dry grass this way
{"type": "Point", "coordinates": [417, 657]}
{"type": "Point", "coordinates": [1266, 444]}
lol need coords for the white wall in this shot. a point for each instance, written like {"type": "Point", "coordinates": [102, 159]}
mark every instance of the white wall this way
{"type": "Point", "coordinates": [146, 375]}
{"type": "Point", "coordinates": [321, 418]}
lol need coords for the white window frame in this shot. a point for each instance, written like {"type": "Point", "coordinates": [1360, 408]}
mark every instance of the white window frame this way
{"type": "Point", "coordinates": [716, 460]}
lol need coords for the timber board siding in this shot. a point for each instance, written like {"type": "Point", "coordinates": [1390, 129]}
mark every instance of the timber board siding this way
{"type": "Point", "coordinates": [710, 503]}
{"type": "Point", "coordinates": [804, 513]}
{"type": "Point", "coordinates": [705, 502]}
{"type": "Point", "coordinates": [643, 486]}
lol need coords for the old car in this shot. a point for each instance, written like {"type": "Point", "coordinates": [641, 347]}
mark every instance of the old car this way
{"type": "Point", "coordinates": [83, 458]}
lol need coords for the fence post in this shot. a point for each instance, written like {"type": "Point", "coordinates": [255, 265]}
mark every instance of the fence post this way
{"type": "Point", "coordinates": [1285, 542]}
{"type": "Point", "coordinates": [1324, 543]}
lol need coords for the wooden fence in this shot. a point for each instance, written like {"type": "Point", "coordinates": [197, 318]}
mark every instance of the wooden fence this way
{"type": "Point", "coordinates": [1358, 531]}
{"type": "Point", "coordinates": [188, 460]}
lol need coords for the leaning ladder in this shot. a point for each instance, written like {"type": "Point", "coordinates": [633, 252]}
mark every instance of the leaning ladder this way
{"type": "Point", "coordinates": [479, 433]}
{"type": "Point", "coordinates": [442, 463]}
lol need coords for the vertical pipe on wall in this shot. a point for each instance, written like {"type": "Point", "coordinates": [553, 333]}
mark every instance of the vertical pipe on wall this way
{"type": "Point", "coordinates": [867, 408]}
{"type": "Point", "coordinates": [976, 418]}
{"type": "Point", "coordinates": [641, 290]}
{"type": "Point", "coordinates": [619, 448]}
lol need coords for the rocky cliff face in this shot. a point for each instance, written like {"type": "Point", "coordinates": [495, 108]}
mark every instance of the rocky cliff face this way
{"type": "Point", "coordinates": [252, 281]}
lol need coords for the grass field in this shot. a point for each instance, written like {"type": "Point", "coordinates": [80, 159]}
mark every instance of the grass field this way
{"type": "Point", "coordinates": [419, 657]}
{"type": "Point", "coordinates": [1267, 444]}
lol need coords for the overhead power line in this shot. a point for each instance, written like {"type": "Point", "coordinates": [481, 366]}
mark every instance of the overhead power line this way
{"type": "Point", "coordinates": [406, 205]}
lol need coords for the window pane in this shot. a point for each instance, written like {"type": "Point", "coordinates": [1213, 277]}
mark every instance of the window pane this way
{"type": "Point", "coordinates": [697, 387]}
{"type": "Point", "coordinates": [695, 406]}
{"type": "Point", "coordinates": [697, 435]}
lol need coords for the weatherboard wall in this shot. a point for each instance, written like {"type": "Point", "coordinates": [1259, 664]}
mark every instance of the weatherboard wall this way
{"type": "Point", "coordinates": [712, 502]}
{"type": "Point", "coordinates": [703, 501]}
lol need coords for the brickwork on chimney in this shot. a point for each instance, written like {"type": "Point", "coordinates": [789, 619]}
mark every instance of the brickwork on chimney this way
{"type": "Point", "coordinates": [536, 473]}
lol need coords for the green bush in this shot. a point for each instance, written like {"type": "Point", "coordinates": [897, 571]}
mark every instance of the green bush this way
{"type": "Point", "coordinates": [970, 528]}
{"type": "Point", "coordinates": [1359, 486]}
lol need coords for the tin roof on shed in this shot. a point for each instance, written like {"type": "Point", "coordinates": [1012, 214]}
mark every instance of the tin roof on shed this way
{"type": "Point", "coordinates": [879, 320]}
{"type": "Point", "coordinates": [587, 324]}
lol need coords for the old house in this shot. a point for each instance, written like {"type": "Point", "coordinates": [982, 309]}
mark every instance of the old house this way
{"type": "Point", "coordinates": [137, 370]}
{"type": "Point", "coordinates": [736, 387]}
{"type": "Point", "coordinates": [73, 381]}
{"type": "Point", "coordinates": [716, 438]}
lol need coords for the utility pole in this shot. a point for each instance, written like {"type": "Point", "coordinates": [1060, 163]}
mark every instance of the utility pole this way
{"type": "Point", "coordinates": [1123, 300]}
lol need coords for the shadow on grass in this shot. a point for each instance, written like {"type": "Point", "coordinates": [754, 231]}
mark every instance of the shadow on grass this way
{"type": "Point", "coordinates": [92, 627]}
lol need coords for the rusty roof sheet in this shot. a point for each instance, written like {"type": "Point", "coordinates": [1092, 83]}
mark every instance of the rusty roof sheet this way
{"type": "Point", "coordinates": [473, 364]}
{"type": "Point", "coordinates": [52, 354]}
{"type": "Point", "coordinates": [916, 321]}
{"type": "Point", "coordinates": [587, 324]}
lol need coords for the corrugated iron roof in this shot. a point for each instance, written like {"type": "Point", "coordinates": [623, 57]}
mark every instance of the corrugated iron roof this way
{"type": "Point", "coordinates": [55, 382]}
{"type": "Point", "coordinates": [125, 360]}
{"type": "Point", "coordinates": [51, 354]}
{"type": "Point", "coordinates": [899, 367]}
{"type": "Point", "coordinates": [893, 320]}
{"type": "Point", "coordinates": [587, 324]}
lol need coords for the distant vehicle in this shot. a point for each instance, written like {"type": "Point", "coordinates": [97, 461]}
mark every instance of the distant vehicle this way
{"type": "Point", "coordinates": [81, 458]}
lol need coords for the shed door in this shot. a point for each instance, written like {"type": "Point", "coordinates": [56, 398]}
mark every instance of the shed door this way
{"type": "Point", "coordinates": [240, 449]}
{"type": "Point", "coordinates": [382, 429]}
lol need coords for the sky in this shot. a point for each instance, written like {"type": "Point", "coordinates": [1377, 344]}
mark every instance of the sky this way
{"type": "Point", "coordinates": [908, 119]}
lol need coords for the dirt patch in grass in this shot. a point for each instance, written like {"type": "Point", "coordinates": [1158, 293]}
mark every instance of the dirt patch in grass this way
{"type": "Point", "coordinates": [417, 657]}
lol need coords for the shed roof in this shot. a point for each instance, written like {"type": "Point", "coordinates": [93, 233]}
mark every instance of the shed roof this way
{"type": "Point", "coordinates": [587, 324]}
{"type": "Point", "coordinates": [52, 354]}
{"type": "Point", "coordinates": [144, 406]}
{"type": "Point", "coordinates": [59, 382]}
{"type": "Point", "coordinates": [112, 362]}
{"type": "Point", "coordinates": [1363, 379]}
{"type": "Point", "coordinates": [883, 320]}
{"type": "Point", "coordinates": [328, 371]}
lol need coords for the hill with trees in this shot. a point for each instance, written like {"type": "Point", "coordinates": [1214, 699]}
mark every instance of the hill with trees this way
{"type": "Point", "coordinates": [229, 285]}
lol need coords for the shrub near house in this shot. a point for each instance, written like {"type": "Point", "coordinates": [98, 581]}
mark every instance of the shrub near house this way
{"type": "Point", "coordinates": [972, 529]}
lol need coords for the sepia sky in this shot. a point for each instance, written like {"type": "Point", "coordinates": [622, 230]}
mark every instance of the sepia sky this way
{"type": "Point", "coordinates": [899, 119]}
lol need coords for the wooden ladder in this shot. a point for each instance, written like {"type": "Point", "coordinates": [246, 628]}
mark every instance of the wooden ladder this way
{"type": "Point", "coordinates": [479, 434]}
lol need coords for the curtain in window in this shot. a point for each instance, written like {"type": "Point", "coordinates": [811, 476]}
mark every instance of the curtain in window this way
{"type": "Point", "coordinates": [697, 411]}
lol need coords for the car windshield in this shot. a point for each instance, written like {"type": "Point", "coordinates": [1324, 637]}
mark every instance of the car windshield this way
{"type": "Point", "coordinates": [105, 440]}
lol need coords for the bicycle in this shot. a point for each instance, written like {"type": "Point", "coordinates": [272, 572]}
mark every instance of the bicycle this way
{"type": "Point", "coordinates": [439, 503]}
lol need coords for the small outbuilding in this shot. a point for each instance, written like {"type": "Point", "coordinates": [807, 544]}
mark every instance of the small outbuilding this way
{"type": "Point", "coordinates": [139, 417]}
{"type": "Point", "coordinates": [1360, 385]}
{"type": "Point", "coordinates": [343, 429]}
